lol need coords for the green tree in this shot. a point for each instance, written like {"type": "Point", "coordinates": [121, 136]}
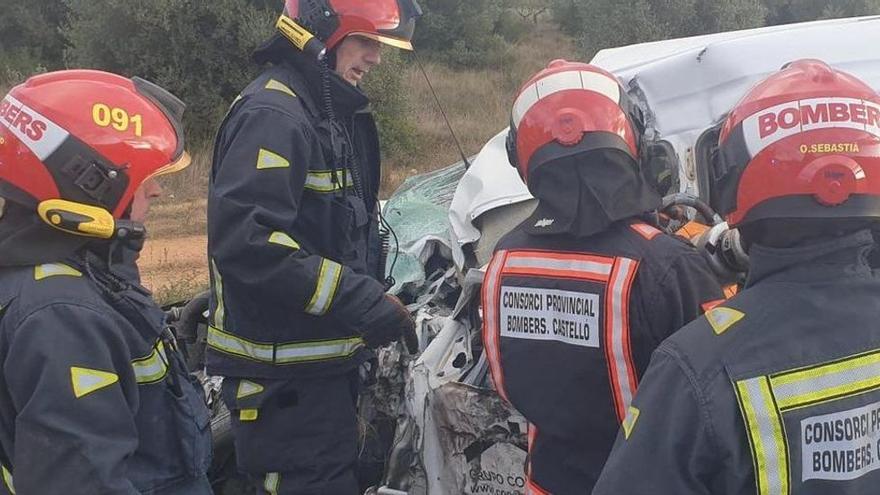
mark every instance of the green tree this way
{"type": "Point", "coordinates": [30, 37]}
{"type": "Point", "coordinates": [718, 17]}
{"type": "Point", "coordinates": [463, 33]}
{"type": "Point", "coordinates": [568, 15]}
{"type": "Point", "coordinates": [392, 109]}
{"type": "Point", "coordinates": [609, 23]}
{"type": "Point", "coordinates": [786, 11]}
{"type": "Point", "coordinates": [199, 50]}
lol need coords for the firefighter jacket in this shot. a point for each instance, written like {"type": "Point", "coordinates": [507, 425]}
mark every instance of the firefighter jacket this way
{"type": "Point", "coordinates": [569, 327]}
{"type": "Point", "coordinates": [94, 397]}
{"type": "Point", "coordinates": [775, 392]}
{"type": "Point", "coordinates": [292, 227]}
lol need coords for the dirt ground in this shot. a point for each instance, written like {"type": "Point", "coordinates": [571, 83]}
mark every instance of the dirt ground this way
{"type": "Point", "coordinates": [163, 261]}
{"type": "Point", "coordinates": [174, 262]}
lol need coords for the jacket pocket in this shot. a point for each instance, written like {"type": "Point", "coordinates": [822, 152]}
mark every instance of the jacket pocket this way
{"type": "Point", "coordinates": [351, 222]}
{"type": "Point", "coordinates": [193, 419]}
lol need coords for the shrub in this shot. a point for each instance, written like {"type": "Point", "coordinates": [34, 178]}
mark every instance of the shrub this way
{"type": "Point", "coordinates": [461, 33]}
{"type": "Point", "coordinates": [30, 38]}
{"type": "Point", "coordinates": [198, 50]}
{"type": "Point", "coordinates": [611, 23]}
{"type": "Point", "coordinates": [385, 88]}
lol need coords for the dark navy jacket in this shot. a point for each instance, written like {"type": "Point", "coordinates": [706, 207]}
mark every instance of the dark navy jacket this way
{"type": "Point", "coordinates": [569, 326]}
{"type": "Point", "coordinates": [292, 228]}
{"type": "Point", "coordinates": [94, 399]}
{"type": "Point", "coordinates": [777, 391]}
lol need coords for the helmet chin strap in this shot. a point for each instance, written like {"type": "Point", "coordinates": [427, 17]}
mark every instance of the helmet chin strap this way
{"type": "Point", "coordinates": [87, 221]}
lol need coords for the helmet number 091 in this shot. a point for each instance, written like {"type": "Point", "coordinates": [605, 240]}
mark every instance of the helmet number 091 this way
{"type": "Point", "coordinates": [118, 118]}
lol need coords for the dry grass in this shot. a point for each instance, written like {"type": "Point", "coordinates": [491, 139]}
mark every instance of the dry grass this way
{"type": "Point", "coordinates": [191, 183]}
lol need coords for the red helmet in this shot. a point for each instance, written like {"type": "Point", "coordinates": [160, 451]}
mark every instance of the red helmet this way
{"type": "Point", "coordinates": [570, 103]}
{"type": "Point", "coordinates": [803, 143]}
{"type": "Point", "coordinates": [75, 145]}
{"type": "Point", "coordinates": [389, 21]}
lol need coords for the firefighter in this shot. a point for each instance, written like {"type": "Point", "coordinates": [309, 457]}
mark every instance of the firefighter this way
{"type": "Point", "coordinates": [577, 296]}
{"type": "Point", "coordinates": [94, 396]}
{"type": "Point", "coordinates": [775, 392]}
{"type": "Point", "coordinates": [297, 294]}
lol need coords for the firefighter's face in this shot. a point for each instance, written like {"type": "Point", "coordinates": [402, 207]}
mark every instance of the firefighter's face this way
{"type": "Point", "coordinates": [140, 205]}
{"type": "Point", "coordinates": [355, 57]}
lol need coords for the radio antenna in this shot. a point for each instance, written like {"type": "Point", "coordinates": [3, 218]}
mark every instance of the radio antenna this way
{"type": "Point", "coordinates": [467, 163]}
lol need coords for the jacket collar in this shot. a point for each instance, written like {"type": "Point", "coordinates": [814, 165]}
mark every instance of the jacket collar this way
{"type": "Point", "coordinates": [346, 98]}
{"type": "Point", "coordinates": [836, 258]}
{"type": "Point", "coordinates": [25, 240]}
{"type": "Point", "coordinates": [117, 259]}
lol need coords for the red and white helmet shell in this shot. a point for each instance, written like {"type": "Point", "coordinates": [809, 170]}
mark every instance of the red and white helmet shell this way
{"type": "Point", "coordinates": [806, 132]}
{"type": "Point", "coordinates": [391, 22]}
{"type": "Point", "coordinates": [45, 118]}
{"type": "Point", "coordinates": [564, 102]}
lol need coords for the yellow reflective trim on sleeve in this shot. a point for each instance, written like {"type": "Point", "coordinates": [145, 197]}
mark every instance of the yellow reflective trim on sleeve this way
{"type": "Point", "coordinates": [152, 368]}
{"type": "Point", "coordinates": [325, 290]}
{"type": "Point", "coordinates": [809, 386]}
{"type": "Point", "coordinates": [283, 239]}
{"type": "Point", "coordinates": [220, 311]}
{"type": "Point", "coordinates": [86, 381]}
{"type": "Point", "coordinates": [247, 388]}
{"type": "Point", "coordinates": [7, 480]}
{"type": "Point", "coordinates": [630, 421]}
{"type": "Point", "coordinates": [268, 160]}
{"type": "Point", "coordinates": [55, 270]}
{"type": "Point", "coordinates": [766, 435]}
{"type": "Point", "coordinates": [248, 415]}
{"type": "Point", "coordinates": [232, 344]}
{"type": "Point", "coordinates": [271, 483]}
{"type": "Point", "coordinates": [722, 318]}
{"type": "Point", "coordinates": [283, 354]}
{"type": "Point", "coordinates": [279, 86]}
{"type": "Point", "coordinates": [327, 181]}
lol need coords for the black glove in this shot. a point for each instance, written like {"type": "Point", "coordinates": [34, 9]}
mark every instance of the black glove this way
{"type": "Point", "coordinates": [395, 323]}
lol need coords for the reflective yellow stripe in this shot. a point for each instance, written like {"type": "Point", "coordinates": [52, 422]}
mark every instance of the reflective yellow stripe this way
{"type": "Point", "coordinates": [630, 421]}
{"type": "Point", "coordinates": [808, 386]}
{"type": "Point", "coordinates": [722, 318]}
{"type": "Point", "coordinates": [7, 479]}
{"type": "Point", "coordinates": [766, 435]}
{"type": "Point", "coordinates": [283, 353]}
{"type": "Point", "coordinates": [278, 86]}
{"type": "Point", "coordinates": [764, 399]}
{"type": "Point", "coordinates": [231, 344]}
{"type": "Point", "coordinates": [271, 483]}
{"type": "Point", "coordinates": [153, 368]}
{"type": "Point", "coordinates": [325, 290]}
{"type": "Point", "coordinates": [317, 351]}
{"type": "Point", "coordinates": [326, 181]}
{"type": "Point", "coordinates": [247, 388]}
{"type": "Point", "coordinates": [54, 270]}
{"type": "Point", "coordinates": [220, 311]}
{"type": "Point", "coordinates": [86, 380]}
{"type": "Point", "coordinates": [248, 415]}
{"type": "Point", "coordinates": [268, 160]}
{"type": "Point", "coordinates": [283, 239]}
